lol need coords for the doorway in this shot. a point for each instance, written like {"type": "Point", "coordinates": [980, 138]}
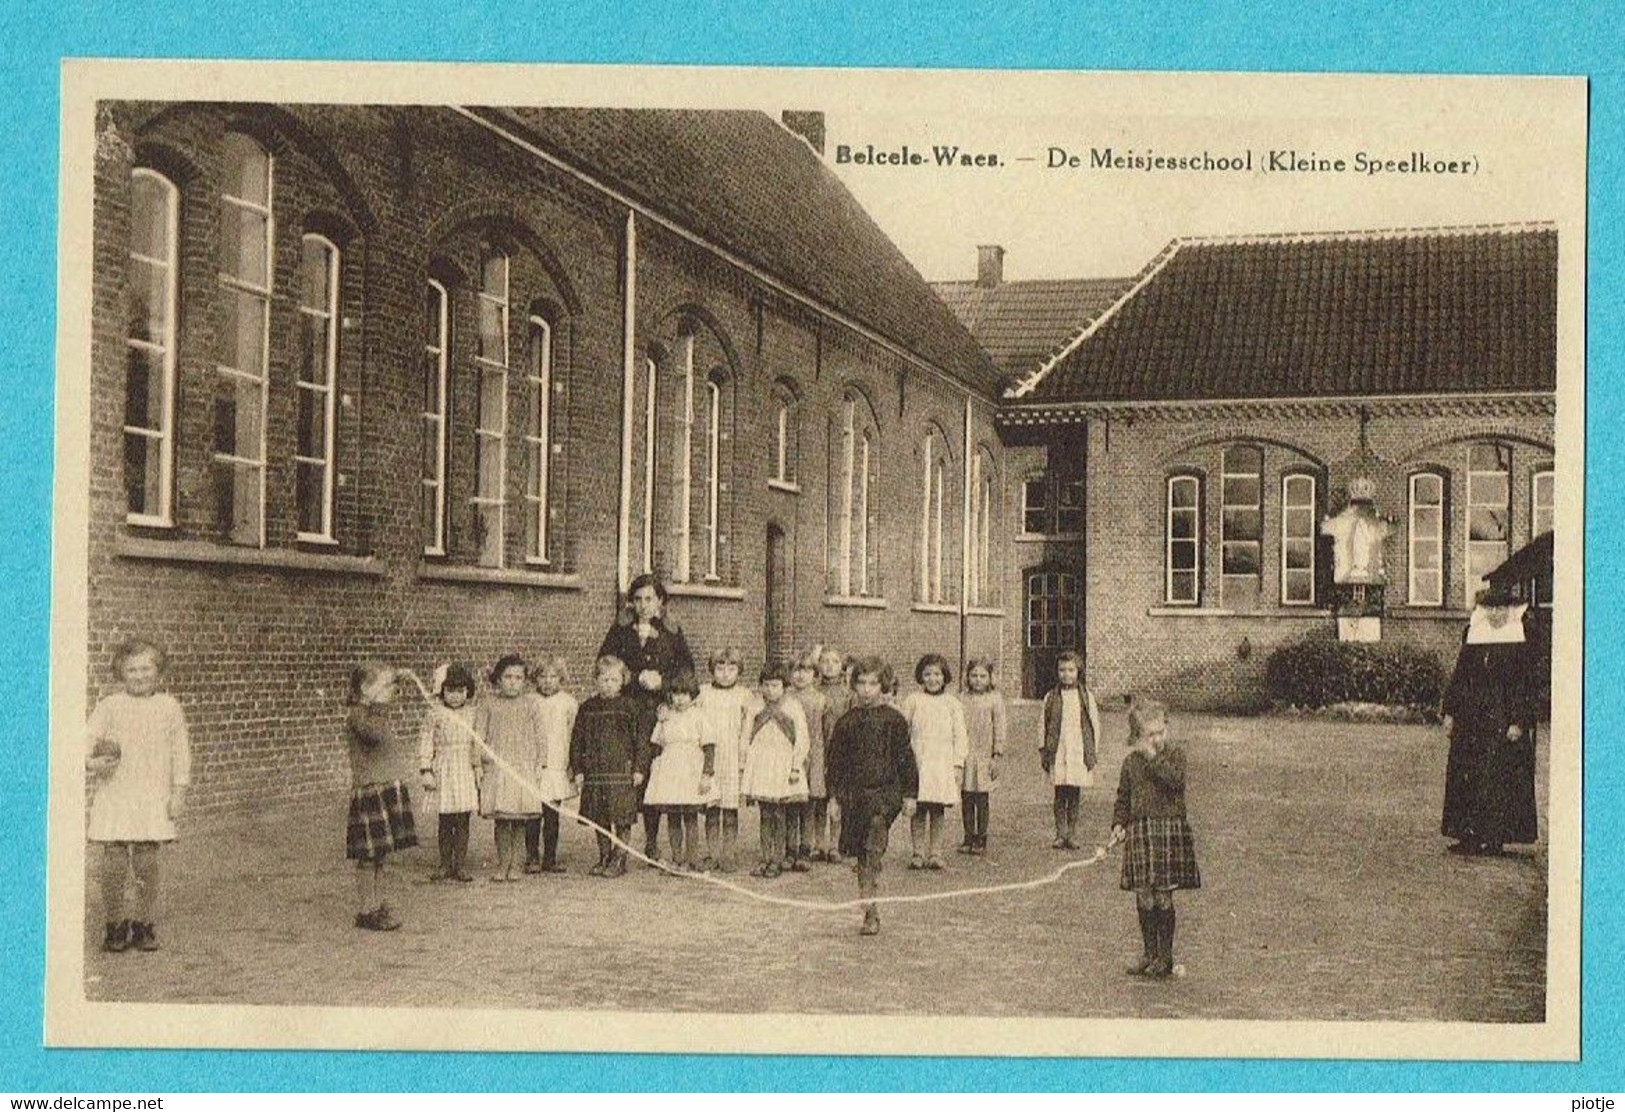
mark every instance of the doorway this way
{"type": "Point", "coordinates": [1052, 613]}
{"type": "Point", "coordinates": [778, 636]}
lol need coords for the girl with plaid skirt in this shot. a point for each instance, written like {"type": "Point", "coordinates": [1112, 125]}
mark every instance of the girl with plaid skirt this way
{"type": "Point", "coordinates": [380, 806]}
{"type": "Point", "coordinates": [1160, 854]}
{"type": "Point", "coordinates": [449, 764]}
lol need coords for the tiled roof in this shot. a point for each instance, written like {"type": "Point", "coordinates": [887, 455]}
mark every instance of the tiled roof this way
{"type": "Point", "coordinates": [1409, 311]}
{"type": "Point", "coordinates": [1020, 324]}
{"type": "Point", "coordinates": [743, 182]}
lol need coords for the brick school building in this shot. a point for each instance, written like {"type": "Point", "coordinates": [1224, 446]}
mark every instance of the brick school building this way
{"type": "Point", "coordinates": [1174, 455]}
{"type": "Point", "coordinates": [435, 383]}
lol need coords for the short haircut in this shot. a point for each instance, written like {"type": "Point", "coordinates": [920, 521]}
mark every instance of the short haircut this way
{"type": "Point", "coordinates": [647, 579]}
{"type": "Point", "coordinates": [459, 677]}
{"type": "Point", "coordinates": [876, 667]}
{"type": "Point", "coordinates": [607, 664]}
{"type": "Point", "coordinates": [933, 660]}
{"type": "Point", "coordinates": [829, 651]}
{"type": "Point", "coordinates": [726, 655]}
{"type": "Point", "coordinates": [684, 682]}
{"type": "Point", "coordinates": [555, 664]}
{"type": "Point", "coordinates": [509, 661]}
{"type": "Point", "coordinates": [774, 671]}
{"type": "Point", "coordinates": [1072, 656]}
{"type": "Point", "coordinates": [1143, 714]}
{"type": "Point", "coordinates": [139, 646]}
{"type": "Point", "coordinates": [363, 675]}
{"type": "Point", "coordinates": [808, 661]}
{"type": "Point", "coordinates": [982, 662]}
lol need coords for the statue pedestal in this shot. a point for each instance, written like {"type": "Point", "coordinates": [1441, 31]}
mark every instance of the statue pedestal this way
{"type": "Point", "coordinates": [1359, 608]}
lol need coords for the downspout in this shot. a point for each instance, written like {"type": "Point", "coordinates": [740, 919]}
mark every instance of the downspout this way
{"type": "Point", "coordinates": [964, 542]}
{"type": "Point", "coordinates": [629, 369]}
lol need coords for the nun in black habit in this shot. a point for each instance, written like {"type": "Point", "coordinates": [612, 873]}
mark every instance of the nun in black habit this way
{"type": "Point", "coordinates": [1490, 712]}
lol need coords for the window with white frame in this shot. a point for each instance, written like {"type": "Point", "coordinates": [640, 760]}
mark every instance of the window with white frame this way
{"type": "Point", "coordinates": [981, 527]}
{"type": "Point", "coordinates": [538, 437]}
{"type": "Point", "coordinates": [1489, 513]}
{"type": "Point", "coordinates": [1241, 516]}
{"type": "Point", "coordinates": [786, 435]}
{"type": "Point", "coordinates": [711, 541]}
{"type": "Point", "coordinates": [436, 349]}
{"type": "Point", "coordinates": [651, 421]}
{"type": "Point", "coordinates": [490, 431]}
{"type": "Point", "coordinates": [934, 459]}
{"type": "Point", "coordinates": [317, 387]}
{"type": "Point", "coordinates": [854, 473]}
{"type": "Point", "coordinates": [1541, 492]}
{"type": "Point", "coordinates": [1425, 578]}
{"type": "Point", "coordinates": [246, 236]}
{"type": "Point", "coordinates": [149, 370]}
{"type": "Point", "coordinates": [1182, 555]}
{"type": "Point", "coordinates": [1298, 533]}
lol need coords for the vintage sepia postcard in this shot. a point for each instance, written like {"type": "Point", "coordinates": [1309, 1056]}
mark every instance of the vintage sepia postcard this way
{"type": "Point", "coordinates": [815, 561]}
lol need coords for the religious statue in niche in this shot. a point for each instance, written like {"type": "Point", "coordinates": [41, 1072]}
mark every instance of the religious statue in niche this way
{"type": "Point", "coordinates": [1359, 571]}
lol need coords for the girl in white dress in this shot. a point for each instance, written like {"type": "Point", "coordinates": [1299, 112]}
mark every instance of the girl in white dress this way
{"type": "Point", "coordinates": [774, 765]}
{"type": "Point", "coordinates": [682, 778]}
{"type": "Point", "coordinates": [558, 714]}
{"type": "Point", "coordinates": [140, 761]}
{"type": "Point", "coordinates": [936, 730]}
{"type": "Point", "coordinates": [449, 766]}
{"type": "Point", "coordinates": [727, 708]}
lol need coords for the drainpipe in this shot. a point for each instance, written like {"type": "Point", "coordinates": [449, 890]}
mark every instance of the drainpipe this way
{"type": "Point", "coordinates": [964, 541]}
{"type": "Point", "coordinates": [629, 370]}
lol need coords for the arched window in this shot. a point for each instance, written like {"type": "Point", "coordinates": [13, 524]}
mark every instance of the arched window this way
{"type": "Point", "coordinates": [1299, 504]}
{"type": "Point", "coordinates": [853, 477]}
{"type": "Point", "coordinates": [981, 527]}
{"type": "Point", "coordinates": [1489, 512]}
{"type": "Point", "coordinates": [1241, 520]}
{"type": "Point", "coordinates": [1426, 511]}
{"type": "Point", "coordinates": [317, 387]}
{"type": "Point", "coordinates": [490, 430]}
{"type": "Point", "coordinates": [711, 539]}
{"type": "Point", "coordinates": [436, 352]}
{"type": "Point", "coordinates": [538, 437]}
{"type": "Point", "coordinates": [149, 382]}
{"type": "Point", "coordinates": [786, 436]}
{"type": "Point", "coordinates": [932, 575]}
{"type": "Point", "coordinates": [246, 237]}
{"type": "Point", "coordinates": [1182, 559]}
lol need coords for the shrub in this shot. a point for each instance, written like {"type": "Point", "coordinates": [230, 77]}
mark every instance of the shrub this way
{"type": "Point", "coordinates": [1319, 673]}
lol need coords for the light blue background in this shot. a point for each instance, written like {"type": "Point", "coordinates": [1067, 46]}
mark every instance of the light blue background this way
{"type": "Point", "coordinates": [1486, 36]}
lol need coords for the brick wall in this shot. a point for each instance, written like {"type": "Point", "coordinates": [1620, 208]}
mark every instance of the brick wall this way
{"type": "Point", "coordinates": [1213, 655]}
{"type": "Point", "coordinates": [260, 653]}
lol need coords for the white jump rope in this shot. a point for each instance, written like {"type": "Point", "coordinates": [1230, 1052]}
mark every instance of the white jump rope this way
{"type": "Point", "coordinates": [750, 893]}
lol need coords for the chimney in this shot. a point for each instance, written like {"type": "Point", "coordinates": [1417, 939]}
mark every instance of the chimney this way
{"type": "Point", "coordinates": [808, 125]}
{"type": "Point", "coordinates": [989, 265]}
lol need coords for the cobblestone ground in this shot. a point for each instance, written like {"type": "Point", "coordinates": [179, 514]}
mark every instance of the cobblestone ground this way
{"type": "Point", "coordinates": [1327, 896]}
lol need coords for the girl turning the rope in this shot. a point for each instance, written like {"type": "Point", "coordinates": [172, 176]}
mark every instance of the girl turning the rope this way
{"type": "Point", "coordinates": [1149, 816]}
{"type": "Point", "coordinates": [380, 819]}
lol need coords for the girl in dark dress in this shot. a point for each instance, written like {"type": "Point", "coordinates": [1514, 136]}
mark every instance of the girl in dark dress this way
{"type": "Point", "coordinates": [606, 752]}
{"type": "Point", "coordinates": [654, 652]}
{"type": "Point", "coordinates": [871, 773]}
{"type": "Point", "coordinates": [1490, 710]}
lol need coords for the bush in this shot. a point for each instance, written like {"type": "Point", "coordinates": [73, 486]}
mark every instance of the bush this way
{"type": "Point", "coordinates": [1317, 673]}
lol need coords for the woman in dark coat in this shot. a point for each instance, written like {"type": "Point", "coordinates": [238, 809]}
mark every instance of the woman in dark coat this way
{"type": "Point", "coordinates": [1490, 711]}
{"type": "Point", "coordinates": [654, 651]}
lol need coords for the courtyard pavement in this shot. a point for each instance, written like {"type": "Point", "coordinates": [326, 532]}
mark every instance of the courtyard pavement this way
{"type": "Point", "coordinates": [1327, 895]}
